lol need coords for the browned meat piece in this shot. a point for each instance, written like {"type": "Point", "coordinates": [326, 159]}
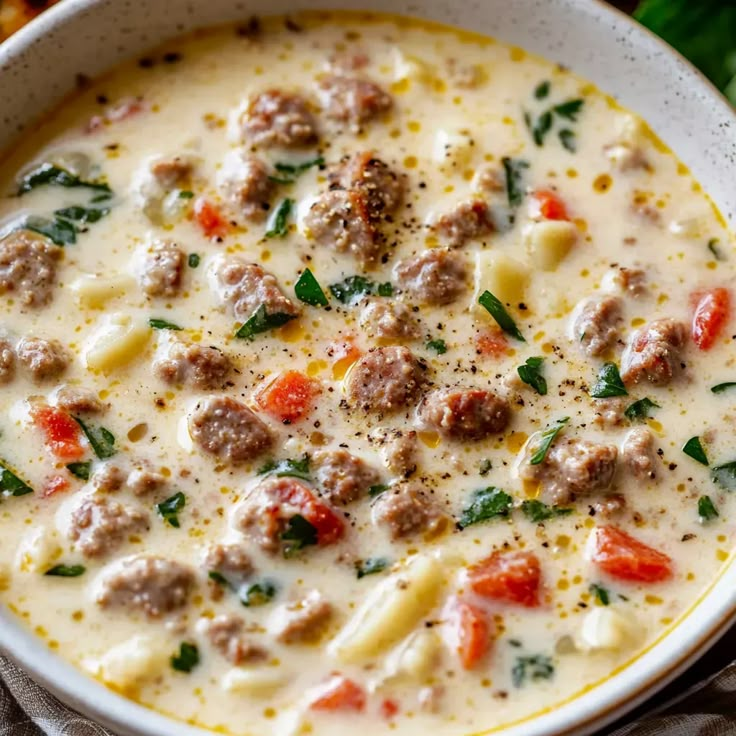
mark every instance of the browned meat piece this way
{"type": "Point", "coordinates": [436, 276]}
{"type": "Point", "coordinates": [228, 430]}
{"type": "Point", "coordinates": [406, 510]}
{"type": "Point", "coordinates": [161, 270]}
{"type": "Point", "coordinates": [398, 449]}
{"type": "Point", "coordinates": [610, 412]}
{"type": "Point", "coordinates": [639, 454]}
{"type": "Point", "coordinates": [631, 281]}
{"type": "Point", "coordinates": [244, 287]}
{"type": "Point", "coordinates": [28, 268]}
{"type": "Point", "coordinates": [275, 118]}
{"type": "Point", "coordinates": [108, 478]}
{"type": "Point", "coordinates": [227, 634]}
{"type": "Point", "coordinates": [245, 181]}
{"type": "Point", "coordinates": [488, 180]}
{"type": "Point", "coordinates": [467, 221]}
{"type": "Point", "coordinates": [464, 414]}
{"type": "Point", "coordinates": [143, 480]}
{"type": "Point", "coordinates": [654, 352]}
{"type": "Point", "coordinates": [385, 380]}
{"type": "Point", "coordinates": [362, 172]}
{"type": "Point", "coordinates": [99, 526]}
{"type": "Point", "coordinates": [353, 100]}
{"type": "Point", "coordinates": [339, 219]}
{"type": "Point", "coordinates": [192, 365]}
{"type": "Point", "coordinates": [342, 477]}
{"type": "Point", "coordinates": [77, 400]}
{"type": "Point", "coordinates": [7, 362]}
{"type": "Point", "coordinates": [232, 561]}
{"type": "Point", "coordinates": [43, 359]}
{"type": "Point", "coordinates": [388, 319]}
{"type": "Point", "coordinates": [172, 172]}
{"type": "Point", "coordinates": [611, 505]}
{"type": "Point", "coordinates": [596, 325]}
{"type": "Point", "coordinates": [303, 622]}
{"type": "Point", "coordinates": [153, 585]}
{"type": "Point", "coordinates": [573, 467]}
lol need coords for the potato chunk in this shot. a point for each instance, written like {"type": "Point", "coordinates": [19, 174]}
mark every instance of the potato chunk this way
{"type": "Point", "coordinates": [548, 242]}
{"type": "Point", "coordinates": [121, 339]}
{"type": "Point", "coordinates": [504, 277]}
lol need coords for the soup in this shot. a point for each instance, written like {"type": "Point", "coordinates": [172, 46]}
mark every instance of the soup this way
{"type": "Point", "coordinates": [358, 371]}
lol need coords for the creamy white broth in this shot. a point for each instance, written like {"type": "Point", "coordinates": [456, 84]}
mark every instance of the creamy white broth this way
{"type": "Point", "coordinates": [458, 109]}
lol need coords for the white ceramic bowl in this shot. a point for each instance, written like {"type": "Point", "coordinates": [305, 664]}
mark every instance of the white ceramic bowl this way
{"type": "Point", "coordinates": [42, 63]}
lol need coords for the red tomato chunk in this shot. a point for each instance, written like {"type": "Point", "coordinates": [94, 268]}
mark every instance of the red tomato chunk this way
{"type": "Point", "coordinates": [340, 694]}
{"type": "Point", "coordinates": [712, 313]}
{"type": "Point", "coordinates": [511, 577]}
{"type": "Point", "coordinates": [621, 556]}
{"type": "Point", "coordinates": [62, 434]}
{"type": "Point", "coordinates": [288, 397]}
{"type": "Point", "coordinates": [548, 205]}
{"type": "Point", "coordinates": [293, 494]}
{"type": "Point", "coordinates": [210, 219]}
{"type": "Point", "coordinates": [471, 632]}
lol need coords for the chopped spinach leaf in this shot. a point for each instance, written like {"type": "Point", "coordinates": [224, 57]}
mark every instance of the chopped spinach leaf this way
{"type": "Point", "coordinates": [541, 127]}
{"type": "Point", "coordinates": [496, 309]}
{"type": "Point", "coordinates": [353, 288]}
{"type": "Point", "coordinates": [290, 172]}
{"type": "Point", "coordinates": [438, 346]}
{"type": "Point", "coordinates": [537, 511]}
{"type": "Point", "coordinates": [706, 509]}
{"type": "Point", "coordinates": [694, 448]}
{"type": "Point", "coordinates": [600, 593]}
{"type": "Point", "coordinates": [169, 509]}
{"type": "Point", "coordinates": [162, 324]}
{"type": "Point", "coordinates": [187, 659]}
{"type": "Point", "coordinates": [10, 483]}
{"type": "Point", "coordinates": [59, 231]}
{"type": "Point", "coordinates": [299, 534]}
{"type": "Point", "coordinates": [102, 440]}
{"type": "Point", "coordinates": [485, 467]}
{"type": "Point", "coordinates": [66, 571]}
{"type": "Point", "coordinates": [725, 475]}
{"type": "Point", "coordinates": [377, 489]}
{"type": "Point", "coordinates": [193, 260]}
{"type": "Point", "coordinates": [568, 139]}
{"type": "Point", "coordinates": [80, 470]}
{"type": "Point", "coordinates": [371, 566]}
{"type": "Point", "coordinates": [278, 225]}
{"type": "Point", "coordinates": [185, 194]}
{"type": "Point", "coordinates": [262, 321]}
{"type": "Point", "coordinates": [288, 468]}
{"type": "Point", "coordinates": [546, 438]}
{"type": "Point", "coordinates": [258, 594]}
{"type": "Point", "coordinates": [50, 174]}
{"type": "Point", "coordinates": [721, 387]}
{"type": "Point", "coordinates": [82, 215]}
{"type": "Point", "coordinates": [535, 667]}
{"type": "Point", "coordinates": [609, 383]}
{"type": "Point", "coordinates": [531, 374]}
{"type": "Point", "coordinates": [514, 170]}
{"type": "Point", "coordinates": [569, 109]}
{"type": "Point", "coordinates": [715, 250]}
{"type": "Point", "coordinates": [308, 290]}
{"type": "Point", "coordinates": [218, 577]}
{"type": "Point", "coordinates": [485, 503]}
{"type": "Point", "coordinates": [639, 410]}
{"type": "Point", "coordinates": [542, 90]}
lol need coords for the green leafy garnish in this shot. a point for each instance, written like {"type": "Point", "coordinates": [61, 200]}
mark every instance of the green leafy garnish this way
{"type": "Point", "coordinates": [80, 470]}
{"type": "Point", "coordinates": [537, 511]}
{"type": "Point", "coordinates": [288, 468]}
{"type": "Point", "coordinates": [59, 231]}
{"type": "Point", "coordinates": [609, 383]}
{"type": "Point", "coordinates": [219, 578]}
{"type": "Point", "coordinates": [162, 324]}
{"type": "Point", "coordinates": [290, 172]}
{"type": "Point", "coordinates": [531, 374]}
{"type": "Point", "coordinates": [308, 290]}
{"type": "Point", "coordinates": [187, 659]}
{"type": "Point", "coordinates": [102, 440]}
{"type": "Point", "coordinates": [10, 483]}
{"type": "Point", "coordinates": [169, 509]}
{"type": "Point", "coordinates": [535, 667]}
{"type": "Point", "coordinates": [66, 571]}
{"type": "Point", "coordinates": [82, 215]}
{"type": "Point", "coordinates": [721, 387]}
{"type": "Point", "coordinates": [569, 110]}
{"type": "Point", "coordinates": [485, 466]}
{"type": "Point", "coordinates": [49, 174]}
{"type": "Point", "coordinates": [725, 475]}
{"type": "Point", "coordinates": [694, 448]}
{"type": "Point", "coordinates": [543, 124]}
{"type": "Point", "coordinates": [568, 139]}
{"type": "Point", "coordinates": [438, 346]}
{"type": "Point", "coordinates": [514, 169]}
{"type": "Point", "coordinates": [185, 194]}
{"type": "Point", "coordinates": [485, 503]}
{"type": "Point", "coordinates": [299, 534]}
{"type": "Point", "coordinates": [639, 410]}
{"type": "Point", "coordinates": [193, 260]}
{"type": "Point", "coordinates": [262, 321]}
{"type": "Point", "coordinates": [258, 594]}
{"type": "Point", "coordinates": [385, 289]}
{"type": "Point", "coordinates": [278, 224]}
{"type": "Point", "coordinates": [600, 593]}
{"type": "Point", "coordinates": [706, 509]}
{"type": "Point", "coordinates": [541, 127]}
{"type": "Point", "coordinates": [715, 250]}
{"type": "Point", "coordinates": [496, 309]}
{"type": "Point", "coordinates": [546, 438]}
{"type": "Point", "coordinates": [353, 288]}
{"type": "Point", "coordinates": [542, 90]}
{"type": "Point", "coordinates": [377, 489]}
{"type": "Point", "coordinates": [371, 566]}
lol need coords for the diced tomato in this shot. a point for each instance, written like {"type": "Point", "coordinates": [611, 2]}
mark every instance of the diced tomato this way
{"type": "Point", "coordinates": [492, 343]}
{"type": "Point", "coordinates": [712, 312]}
{"type": "Point", "coordinates": [54, 484]}
{"type": "Point", "coordinates": [210, 219]}
{"type": "Point", "coordinates": [548, 205]}
{"type": "Point", "coordinates": [471, 632]}
{"type": "Point", "coordinates": [626, 558]}
{"type": "Point", "coordinates": [512, 577]}
{"type": "Point", "coordinates": [288, 397]}
{"type": "Point", "coordinates": [62, 434]}
{"type": "Point", "coordinates": [389, 708]}
{"type": "Point", "coordinates": [340, 694]}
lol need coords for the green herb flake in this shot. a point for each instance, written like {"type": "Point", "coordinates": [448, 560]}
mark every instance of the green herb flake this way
{"type": "Point", "coordinates": [377, 489]}
{"type": "Point", "coordinates": [169, 509]}
{"type": "Point", "coordinates": [278, 225]}
{"type": "Point", "coordinates": [162, 324]}
{"type": "Point", "coordinates": [299, 534]}
{"type": "Point", "coordinates": [438, 346]}
{"type": "Point", "coordinates": [568, 139]}
{"type": "Point", "coordinates": [385, 289]}
{"type": "Point", "coordinates": [639, 410]}
{"type": "Point", "coordinates": [546, 438]}
{"type": "Point", "coordinates": [66, 571]}
{"type": "Point", "coordinates": [371, 566]}
{"type": "Point", "coordinates": [706, 509]}
{"type": "Point", "coordinates": [288, 468]}
{"type": "Point", "coordinates": [290, 172]}
{"type": "Point", "coordinates": [485, 466]}
{"type": "Point", "coordinates": [535, 667]}
{"type": "Point", "coordinates": [352, 289]}
{"type": "Point", "coordinates": [569, 109]}
{"type": "Point", "coordinates": [81, 470]}
{"type": "Point", "coordinates": [514, 169]}
{"type": "Point", "coordinates": [261, 321]}
{"type": "Point", "coordinates": [694, 448]}
{"type": "Point", "coordinates": [187, 659]}
{"type": "Point", "coordinates": [82, 215]}
{"type": "Point", "coordinates": [258, 594]}
{"type": "Point", "coordinates": [496, 309]}
{"type": "Point", "coordinates": [531, 374]}
{"type": "Point", "coordinates": [536, 511]}
{"type": "Point", "coordinates": [601, 594]}
{"type": "Point", "coordinates": [308, 290]}
{"type": "Point", "coordinates": [185, 194]}
{"type": "Point", "coordinates": [721, 387]}
{"type": "Point", "coordinates": [485, 504]}
{"type": "Point", "coordinates": [102, 440]}
{"type": "Point", "coordinates": [542, 90]}
{"type": "Point", "coordinates": [10, 483]}
{"type": "Point", "coordinates": [59, 231]}
{"type": "Point", "coordinates": [219, 578]}
{"type": "Point", "coordinates": [609, 383]}
{"type": "Point", "coordinates": [48, 174]}
{"type": "Point", "coordinates": [193, 260]}
{"type": "Point", "coordinates": [725, 475]}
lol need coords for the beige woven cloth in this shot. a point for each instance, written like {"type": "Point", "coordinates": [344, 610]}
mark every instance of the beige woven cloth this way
{"type": "Point", "coordinates": [707, 709]}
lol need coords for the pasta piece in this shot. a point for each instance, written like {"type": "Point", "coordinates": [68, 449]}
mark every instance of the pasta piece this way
{"type": "Point", "coordinates": [117, 343]}
{"type": "Point", "coordinates": [130, 663]}
{"type": "Point", "coordinates": [257, 682]}
{"type": "Point", "coordinates": [415, 658]}
{"type": "Point", "coordinates": [504, 277]}
{"type": "Point", "coordinates": [94, 291]}
{"type": "Point", "coordinates": [549, 241]}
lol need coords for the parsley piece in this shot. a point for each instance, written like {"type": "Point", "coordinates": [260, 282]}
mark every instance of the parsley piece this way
{"type": "Point", "coordinates": [353, 288]}
{"type": "Point", "coordinates": [514, 169]}
{"type": "Point", "coordinates": [706, 509]}
{"type": "Point", "coordinates": [185, 194]}
{"type": "Point", "coordinates": [485, 503]}
{"type": "Point", "coordinates": [694, 448]}
{"type": "Point", "coordinates": [485, 467]}
{"type": "Point", "coordinates": [50, 174]}
{"type": "Point", "coordinates": [639, 410]}
{"type": "Point", "coordinates": [278, 224]}
{"type": "Point", "coordinates": [82, 215]}
{"type": "Point", "coordinates": [162, 324]}
{"type": "Point", "coordinates": [377, 489]}
{"type": "Point", "coordinates": [531, 374]}
{"type": "Point", "coordinates": [290, 172]}
{"type": "Point", "coordinates": [371, 566]}
{"type": "Point", "coordinates": [59, 231]}
{"type": "Point", "coordinates": [725, 475]}
{"type": "Point", "coordinates": [66, 571]}
{"type": "Point", "coordinates": [218, 577]}
{"type": "Point", "coordinates": [721, 387]}
{"type": "Point", "coordinates": [609, 383]}
{"type": "Point", "coordinates": [541, 127]}
{"type": "Point", "coordinates": [546, 438]}
{"type": "Point", "coordinates": [496, 309]}
{"type": "Point", "coordinates": [169, 509]}
{"type": "Point", "coordinates": [600, 593]}
{"type": "Point", "coordinates": [542, 90]}
{"type": "Point", "coordinates": [715, 250]}
{"type": "Point", "coordinates": [298, 535]}
{"type": "Point", "coordinates": [80, 470]}
{"type": "Point", "coordinates": [288, 468]}
{"type": "Point", "coordinates": [258, 594]}
{"type": "Point", "coordinates": [385, 289]}
{"type": "Point", "coordinates": [569, 109]}
{"type": "Point", "coordinates": [568, 139]}
{"type": "Point", "coordinates": [193, 260]}
{"type": "Point", "coordinates": [187, 659]}
{"type": "Point", "coordinates": [535, 667]}
{"type": "Point", "coordinates": [11, 484]}
{"type": "Point", "coordinates": [262, 321]}
{"type": "Point", "coordinates": [439, 346]}
{"type": "Point", "coordinates": [102, 440]}
{"type": "Point", "coordinates": [308, 290]}
{"type": "Point", "coordinates": [537, 511]}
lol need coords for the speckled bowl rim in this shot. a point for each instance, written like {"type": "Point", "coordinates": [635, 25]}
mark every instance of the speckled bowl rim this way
{"type": "Point", "coordinates": [709, 149]}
